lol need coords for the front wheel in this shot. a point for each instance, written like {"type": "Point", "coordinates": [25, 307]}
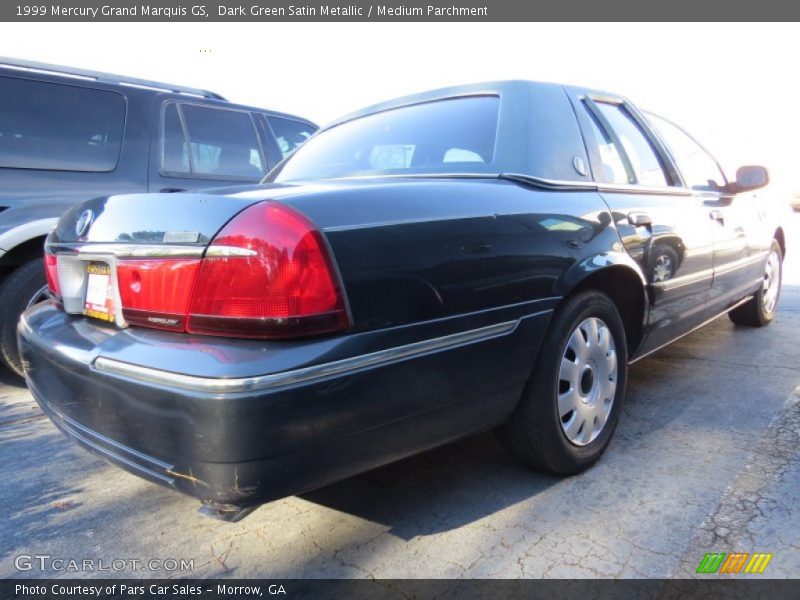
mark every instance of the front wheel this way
{"type": "Point", "coordinates": [570, 407]}
{"type": "Point", "coordinates": [760, 310]}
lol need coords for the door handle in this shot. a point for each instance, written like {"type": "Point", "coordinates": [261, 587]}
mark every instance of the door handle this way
{"type": "Point", "coordinates": [717, 216]}
{"type": "Point", "coordinates": [171, 190]}
{"type": "Point", "coordinates": [639, 219]}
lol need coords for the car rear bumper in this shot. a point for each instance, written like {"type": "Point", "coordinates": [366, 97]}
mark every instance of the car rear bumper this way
{"type": "Point", "coordinates": [240, 422]}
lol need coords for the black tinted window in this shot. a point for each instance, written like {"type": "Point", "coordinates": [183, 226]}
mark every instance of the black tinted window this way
{"type": "Point", "coordinates": [221, 142]}
{"type": "Point", "coordinates": [636, 146]}
{"type": "Point", "coordinates": [289, 134]}
{"type": "Point", "coordinates": [59, 127]}
{"type": "Point", "coordinates": [446, 136]}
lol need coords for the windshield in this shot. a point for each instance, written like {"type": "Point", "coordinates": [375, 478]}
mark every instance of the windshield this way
{"type": "Point", "coordinates": [446, 136]}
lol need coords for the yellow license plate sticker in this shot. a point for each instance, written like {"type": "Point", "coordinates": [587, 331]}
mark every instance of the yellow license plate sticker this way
{"type": "Point", "coordinates": [99, 300]}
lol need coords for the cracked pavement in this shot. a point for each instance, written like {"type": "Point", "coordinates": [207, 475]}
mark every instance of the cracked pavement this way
{"type": "Point", "coordinates": [705, 459]}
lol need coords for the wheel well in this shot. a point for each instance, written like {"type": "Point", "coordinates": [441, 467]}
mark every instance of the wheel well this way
{"type": "Point", "coordinates": [617, 283]}
{"type": "Point", "coordinates": [20, 255]}
{"type": "Point", "coordinates": [779, 235]}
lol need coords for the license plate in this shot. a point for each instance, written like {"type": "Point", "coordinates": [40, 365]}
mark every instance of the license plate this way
{"type": "Point", "coordinates": [99, 300]}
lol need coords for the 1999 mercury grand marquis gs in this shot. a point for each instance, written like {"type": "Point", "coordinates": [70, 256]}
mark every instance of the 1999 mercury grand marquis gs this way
{"type": "Point", "coordinates": [487, 256]}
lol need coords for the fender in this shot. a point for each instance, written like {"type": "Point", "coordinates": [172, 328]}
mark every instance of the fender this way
{"type": "Point", "coordinates": [595, 262]}
{"type": "Point", "coordinates": [590, 270]}
{"type": "Point", "coordinates": [27, 231]}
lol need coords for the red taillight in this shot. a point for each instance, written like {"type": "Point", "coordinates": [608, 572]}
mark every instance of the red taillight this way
{"type": "Point", "coordinates": [155, 293]}
{"type": "Point", "coordinates": [280, 284]}
{"type": "Point", "coordinates": [51, 272]}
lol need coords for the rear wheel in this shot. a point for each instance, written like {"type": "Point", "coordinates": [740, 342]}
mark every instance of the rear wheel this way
{"type": "Point", "coordinates": [571, 405]}
{"type": "Point", "coordinates": [760, 310]}
{"type": "Point", "coordinates": [22, 289]}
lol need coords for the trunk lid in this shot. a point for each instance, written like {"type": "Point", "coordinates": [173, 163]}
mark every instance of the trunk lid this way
{"type": "Point", "coordinates": [185, 218]}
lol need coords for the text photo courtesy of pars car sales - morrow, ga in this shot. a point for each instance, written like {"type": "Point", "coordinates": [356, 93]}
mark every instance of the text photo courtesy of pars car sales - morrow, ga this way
{"type": "Point", "coordinates": [286, 297]}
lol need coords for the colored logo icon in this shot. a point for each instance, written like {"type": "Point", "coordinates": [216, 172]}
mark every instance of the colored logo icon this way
{"type": "Point", "coordinates": [735, 562]}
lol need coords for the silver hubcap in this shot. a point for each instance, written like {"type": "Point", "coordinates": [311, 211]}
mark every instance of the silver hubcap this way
{"type": "Point", "coordinates": [772, 282]}
{"type": "Point", "coordinates": [587, 381]}
{"type": "Point", "coordinates": [41, 295]}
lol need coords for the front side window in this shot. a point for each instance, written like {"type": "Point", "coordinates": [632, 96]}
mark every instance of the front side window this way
{"type": "Point", "coordinates": [457, 135]}
{"type": "Point", "coordinates": [59, 127]}
{"type": "Point", "coordinates": [290, 134]}
{"type": "Point", "coordinates": [644, 163]}
{"type": "Point", "coordinates": [210, 142]}
{"type": "Point", "coordinates": [699, 169]}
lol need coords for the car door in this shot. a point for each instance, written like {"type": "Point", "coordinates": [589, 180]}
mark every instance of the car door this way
{"type": "Point", "coordinates": [739, 222]}
{"type": "Point", "coordinates": [203, 145]}
{"type": "Point", "coordinates": [663, 225]}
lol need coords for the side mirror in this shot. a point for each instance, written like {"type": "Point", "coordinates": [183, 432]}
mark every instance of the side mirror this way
{"type": "Point", "coordinates": [751, 177]}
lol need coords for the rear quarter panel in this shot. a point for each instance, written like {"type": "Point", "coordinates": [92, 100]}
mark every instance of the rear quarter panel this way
{"type": "Point", "coordinates": [419, 250]}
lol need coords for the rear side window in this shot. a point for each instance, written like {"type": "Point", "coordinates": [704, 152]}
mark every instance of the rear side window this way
{"type": "Point", "coordinates": [59, 127]}
{"type": "Point", "coordinates": [644, 163]}
{"type": "Point", "coordinates": [289, 134]}
{"type": "Point", "coordinates": [210, 142]}
{"type": "Point", "coordinates": [456, 135]}
{"type": "Point", "coordinates": [613, 165]}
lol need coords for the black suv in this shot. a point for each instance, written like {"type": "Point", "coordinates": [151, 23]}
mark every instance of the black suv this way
{"type": "Point", "coordinates": [68, 135]}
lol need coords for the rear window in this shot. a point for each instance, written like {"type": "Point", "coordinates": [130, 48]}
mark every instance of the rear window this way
{"type": "Point", "coordinates": [59, 127]}
{"type": "Point", "coordinates": [457, 135]}
{"type": "Point", "coordinates": [210, 142]}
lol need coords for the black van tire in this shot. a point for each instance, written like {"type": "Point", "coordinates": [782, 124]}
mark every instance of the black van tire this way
{"type": "Point", "coordinates": [19, 289]}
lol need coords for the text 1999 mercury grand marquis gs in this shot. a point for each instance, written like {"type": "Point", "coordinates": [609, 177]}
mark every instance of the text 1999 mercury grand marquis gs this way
{"type": "Point", "coordinates": [487, 256]}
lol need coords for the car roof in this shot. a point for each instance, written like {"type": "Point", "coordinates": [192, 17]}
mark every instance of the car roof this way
{"type": "Point", "coordinates": [507, 88]}
{"type": "Point", "coordinates": [40, 68]}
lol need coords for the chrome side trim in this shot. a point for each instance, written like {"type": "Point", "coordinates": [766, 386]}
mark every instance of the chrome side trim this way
{"type": "Point", "coordinates": [306, 374]}
{"type": "Point", "coordinates": [439, 175]}
{"type": "Point", "coordinates": [626, 188]}
{"type": "Point", "coordinates": [144, 251]}
{"type": "Point", "coordinates": [707, 274]}
{"type": "Point", "coordinates": [549, 184]}
{"type": "Point", "coordinates": [396, 223]}
{"type": "Point", "coordinates": [688, 279]}
{"type": "Point", "coordinates": [128, 250]}
{"type": "Point", "coordinates": [540, 182]}
{"type": "Point", "coordinates": [740, 264]}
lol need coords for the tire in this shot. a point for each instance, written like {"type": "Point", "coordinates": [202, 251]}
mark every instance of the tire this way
{"type": "Point", "coordinates": [18, 292]}
{"type": "Point", "coordinates": [760, 310]}
{"type": "Point", "coordinates": [536, 433]}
